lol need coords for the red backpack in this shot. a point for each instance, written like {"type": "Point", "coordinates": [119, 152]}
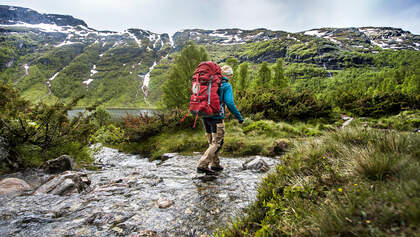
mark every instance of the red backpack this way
{"type": "Point", "coordinates": [204, 101]}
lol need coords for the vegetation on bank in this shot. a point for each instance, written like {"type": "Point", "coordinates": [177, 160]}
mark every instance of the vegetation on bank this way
{"type": "Point", "coordinates": [350, 182]}
{"type": "Point", "coordinates": [34, 133]}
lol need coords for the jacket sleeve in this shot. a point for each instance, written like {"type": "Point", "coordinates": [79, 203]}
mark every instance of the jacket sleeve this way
{"type": "Point", "coordinates": [228, 100]}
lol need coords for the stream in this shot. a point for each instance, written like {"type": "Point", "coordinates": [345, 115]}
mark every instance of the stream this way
{"type": "Point", "coordinates": [124, 199]}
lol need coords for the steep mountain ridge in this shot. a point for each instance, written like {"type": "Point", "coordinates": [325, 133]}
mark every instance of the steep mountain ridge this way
{"type": "Point", "coordinates": [51, 56]}
{"type": "Point", "coordinates": [10, 15]}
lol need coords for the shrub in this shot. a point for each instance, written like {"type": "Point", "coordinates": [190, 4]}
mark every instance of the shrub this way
{"type": "Point", "coordinates": [379, 104]}
{"type": "Point", "coordinates": [109, 135]}
{"type": "Point", "coordinates": [281, 104]}
{"type": "Point", "coordinates": [144, 126]}
{"type": "Point", "coordinates": [41, 132]}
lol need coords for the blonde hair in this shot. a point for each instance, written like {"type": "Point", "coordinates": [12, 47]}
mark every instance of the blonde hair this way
{"type": "Point", "coordinates": [227, 71]}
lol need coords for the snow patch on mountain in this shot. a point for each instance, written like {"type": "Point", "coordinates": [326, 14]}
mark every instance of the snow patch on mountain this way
{"type": "Point", "coordinates": [314, 33]}
{"type": "Point", "coordinates": [135, 38]}
{"type": "Point", "coordinates": [66, 43]}
{"type": "Point", "coordinates": [156, 40]}
{"type": "Point", "coordinates": [93, 71]}
{"type": "Point", "coordinates": [171, 40]}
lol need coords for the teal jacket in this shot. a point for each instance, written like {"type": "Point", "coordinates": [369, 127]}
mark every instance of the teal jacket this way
{"type": "Point", "coordinates": [226, 98]}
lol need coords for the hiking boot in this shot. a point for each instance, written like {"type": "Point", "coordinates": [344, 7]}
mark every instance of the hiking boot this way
{"type": "Point", "coordinates": [205, 170]}
{"type": "Point", "coordinates": [217, 168]}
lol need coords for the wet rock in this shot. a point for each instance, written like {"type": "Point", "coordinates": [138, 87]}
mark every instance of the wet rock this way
{"type": "Point", "coordinates": [256, 164]}
{"type": "Point", "coordinates": [169, 155]}
{"type": "Point", "coordinates": [13, 186]}
{"type": "Point", "coordinates": [164, 203]}
{"type": "Point", "coordinates": [67, 183]}
{"type": "Point", "coordinates": [58, 165]}
{"type": "Point", "coordinates": [146, 233]}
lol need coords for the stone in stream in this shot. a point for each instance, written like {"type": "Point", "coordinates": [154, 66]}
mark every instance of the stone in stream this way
{"type": "Point", "coordinates": [67, 183]}
{"type": "Point", "coordinates": [164, 203]}
{"type": "Point", "coordinates": [256, 164]}
{"type": "Point", "coordinates": [146, 233]}
{"type": "Point", "coordinates": [168, 155]}
{"type": "Point", "coordinates": [13, 186]}
{"type": "Point", "coordinates": [58, 165]}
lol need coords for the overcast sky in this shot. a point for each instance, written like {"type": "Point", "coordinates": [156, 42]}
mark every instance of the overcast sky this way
{"type": "Point", "coordinates": [169, 16]}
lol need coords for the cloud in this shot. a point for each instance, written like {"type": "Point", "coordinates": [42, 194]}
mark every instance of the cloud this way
{"type": "Point", "coordinates": [289, 15]}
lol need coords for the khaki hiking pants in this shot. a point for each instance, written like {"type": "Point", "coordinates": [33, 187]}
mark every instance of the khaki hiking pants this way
{"type": "Point", "coordinates": [215, 132]}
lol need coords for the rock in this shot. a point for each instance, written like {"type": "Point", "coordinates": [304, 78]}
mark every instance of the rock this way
{"type": "Point", "coordinates": [169, 155]}
{"type": "Point", "coordinates": [164, 203]}
{"type": "Point", "coordinates": [67, 183]}
{"type": "Point", "coordinates": [147, 233]}
{"type": "Point", "coordinates": [58, 165]}
{"type": "Point", "coordinates": [256, 164]}
{"type": "Point", "coordinates": [13, 186]}
{"type": "Point", "coordinates": [347, 122]}
{"type": "Point", "coordinates": [188, 211]}
{"type": "Point", "coordinates": [344, 117]}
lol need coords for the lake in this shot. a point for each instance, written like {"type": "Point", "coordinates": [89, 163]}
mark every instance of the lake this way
{"type": "Point", "coordinates": [115, 113]}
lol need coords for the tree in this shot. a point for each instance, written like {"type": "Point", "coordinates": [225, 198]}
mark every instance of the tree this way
{"type": "Point", "coordinates": [279, 81]}
{"type": "Point", "coordinates": [233, 63]}
{"type": "Point", "coordinates": [264, 75]}
{"type": "Point", "coordinates": [411, 85]}
{"type": "Point", "coordinates": [243, 76]}
{"type": "Point", "coordinates": [176, 90]}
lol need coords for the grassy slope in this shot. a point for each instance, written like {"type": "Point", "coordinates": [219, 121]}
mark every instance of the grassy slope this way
{"type": "Point", "coordinates": [351, 182]}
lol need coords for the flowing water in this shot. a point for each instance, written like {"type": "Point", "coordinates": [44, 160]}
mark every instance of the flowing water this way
{"type": "Point", "coordinates": [124, 196]}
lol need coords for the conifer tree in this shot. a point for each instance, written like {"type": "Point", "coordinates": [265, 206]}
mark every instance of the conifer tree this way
{"type": "Point", "coordinates": [264, 76]}
{"type": "Point", "coordinates": [243, 76]}
{"type": "Point", "coordinates": [279, 81]}
{"type": "Point", "coordinates": [177, 89]}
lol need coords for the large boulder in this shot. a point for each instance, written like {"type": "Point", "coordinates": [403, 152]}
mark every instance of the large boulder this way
{"type": "Point", "coordinates": [13, 186]}
{"type": "Point", "coordinates": [58, 165]}
{"type": "Point", "coordinates": [256, 164]}
{"type": "Point", "coordinates": [67, 183]}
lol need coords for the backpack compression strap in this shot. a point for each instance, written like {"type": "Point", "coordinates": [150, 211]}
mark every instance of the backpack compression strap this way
{"type": "Point", "coordinates": [209, 86]}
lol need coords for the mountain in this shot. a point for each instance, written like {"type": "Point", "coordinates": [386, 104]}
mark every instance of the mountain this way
{"type": "Point", "coordinates": [50, 56]}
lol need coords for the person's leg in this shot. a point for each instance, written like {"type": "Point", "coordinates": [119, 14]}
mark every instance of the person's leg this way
{"type": "Point", "coordinates": [206, 158]}
{"type": "Point", "coordinates": [220, 134]}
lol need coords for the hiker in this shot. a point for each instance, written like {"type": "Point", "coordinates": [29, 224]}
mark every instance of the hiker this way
{"type": "Point", "coordinates": [215, 126]}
